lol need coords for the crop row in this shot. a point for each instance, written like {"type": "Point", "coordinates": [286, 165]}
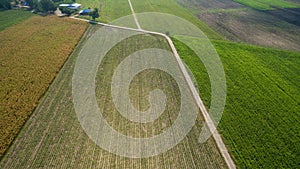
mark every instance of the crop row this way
{"type": "Point", "coordinates": [260, 123]}
{"type": "Point", "coordinates": [54, 138]}
{"type": "Point", "coordinates": [31, 55]}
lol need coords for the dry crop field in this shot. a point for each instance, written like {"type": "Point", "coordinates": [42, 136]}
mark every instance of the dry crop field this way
{"type": "Point", "coordinates": [31, 56]}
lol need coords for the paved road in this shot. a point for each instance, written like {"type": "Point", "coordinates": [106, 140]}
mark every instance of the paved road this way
{"type": "Point", "coordinates": [207, 118]}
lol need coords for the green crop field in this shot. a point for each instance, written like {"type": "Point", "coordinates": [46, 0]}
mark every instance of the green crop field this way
{"type": "Point", "coordinates": [31, 56]}
{"type": "Point", "coordinates": [172, 7]}
{"type": "Point", "coordinates": [268, 4]}
{"type": "Point", "coordinates": [260, 123]}
{"type": "Point", "coordinates": [111, 10]}
{"type": "Point", "coordinates": [54, 138]}
{"type": "Point", "coordinates": [12, 17]}
{"type": "Point", "coordinates": [108, 10]}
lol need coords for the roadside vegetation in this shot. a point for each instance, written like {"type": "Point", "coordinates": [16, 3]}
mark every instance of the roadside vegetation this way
{"type": "Point", "coordinates": [31, 56]}
{"type": "Point", "coordinates": [12, 17]}
{"type": "Point", "coordinates": [260, 123]}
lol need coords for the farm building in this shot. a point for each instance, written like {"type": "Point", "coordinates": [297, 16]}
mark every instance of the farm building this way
{"type": "Point", "coordinates": [71, 6]}
{"type": "Point", "coordinates": [85, 11]}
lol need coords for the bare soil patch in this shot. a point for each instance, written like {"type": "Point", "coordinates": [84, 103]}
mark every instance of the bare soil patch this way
{"type": "Point", "coordinates": [236, 22]}
{"type": "Point", "coordinates": [255, 27]}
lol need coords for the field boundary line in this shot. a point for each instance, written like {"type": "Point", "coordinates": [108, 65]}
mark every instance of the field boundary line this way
{"type": "Point", "coordinates": [210, 124]}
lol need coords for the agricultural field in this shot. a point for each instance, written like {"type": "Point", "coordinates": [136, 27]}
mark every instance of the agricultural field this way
{"type": "Point", "coordinates": [54, 138]}
{"type": "Point", "coordinates": [108, 10]}
{"type": "Point", "coordinates": [272, 28]}
{"type": "Point", "coordinates": [172, 7]}
{"type": "Point", "coordinates": [31, 56]}
{"type": "Point", "coordinates": [268, 4]}
{"type": "Point", "coordinates": [12, 17]}
{"type": "Point", "coordinates": [111, 10]}
{"type": "Point", "coordinates": [260, 123]}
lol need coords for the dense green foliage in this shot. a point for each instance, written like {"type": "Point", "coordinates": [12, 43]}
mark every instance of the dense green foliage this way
{"type": "Point", "coordinates": [49, 5]}
{"type": "Point", "coordinates": [267, 4]}
{"type": "Point", "coordinates": [260, 123]}
{"type": "Point", "coordinates": [94, 14]}
{"type": "Point", "coordinates": [5, 4]}
{"type": "Point", "coordinates": [11, 17]}
{"type": "Point", "coordinates": [67, 11]}
{"type": "Point", "coordinates": [42, 5]}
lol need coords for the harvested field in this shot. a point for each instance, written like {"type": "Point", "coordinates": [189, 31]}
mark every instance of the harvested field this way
{"type": "Point", "coordinates": [30, 58]}
{"type": "Point", "coordinates": [255, 27]}
{"type": "Point", "coordinates": [277, 28]}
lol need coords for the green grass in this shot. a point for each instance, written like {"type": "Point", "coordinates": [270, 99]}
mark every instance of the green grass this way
{"type": "Point", "coordinates": [109, 10]}
{"type": "Point", "coordinates": [268, 4]}
{"type": "Point", "coordinates": [172, 7]}
{"type": "Point", "coordinates": [114, 9]}
{"type": "Point", "coordinates": [260, 123]}
{"type": "Point", "coordinates": [12, 17]}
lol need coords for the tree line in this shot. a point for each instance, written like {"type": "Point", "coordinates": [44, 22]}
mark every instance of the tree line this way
{"type": "Point", "coordinates": [46, 6]}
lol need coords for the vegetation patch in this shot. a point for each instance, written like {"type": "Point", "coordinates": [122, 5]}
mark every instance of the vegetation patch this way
{"type": "Point", "coordinates": [278, 28]}
{"type": "Point", "coordinates": [172, 7]}
{"type": "Point", "coordinates": [31, 56]}
{"type": "Point", "coordinates": [260, 123]}
{"type": "Point", "coordinates": [268, 4]}
{"type": "Point", "coordinates": [12, 17]}
{"type": "Point", "coordinates": [108, 10]}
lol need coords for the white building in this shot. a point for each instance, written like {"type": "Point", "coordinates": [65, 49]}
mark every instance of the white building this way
{"type": "Point", "coordinates": [71, 6]}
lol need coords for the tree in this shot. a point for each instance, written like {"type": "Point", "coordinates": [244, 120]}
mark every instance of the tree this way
{"type": "Point", "coordinates": [32, 3]}
{"type": "Point", "coordinates": [67, 11]}
{"type": "Point", "coordinates": [5, 4]}
{"type": "Point", "coordinates": [94, 14]}
{"type": "Point", "coordinates": [47, 5]}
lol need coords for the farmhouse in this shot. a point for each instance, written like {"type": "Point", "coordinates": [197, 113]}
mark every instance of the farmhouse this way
{"type": "Point", "coordinates": [85, 11]}
{"type": "Point", "coordinates": [71, 6]}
